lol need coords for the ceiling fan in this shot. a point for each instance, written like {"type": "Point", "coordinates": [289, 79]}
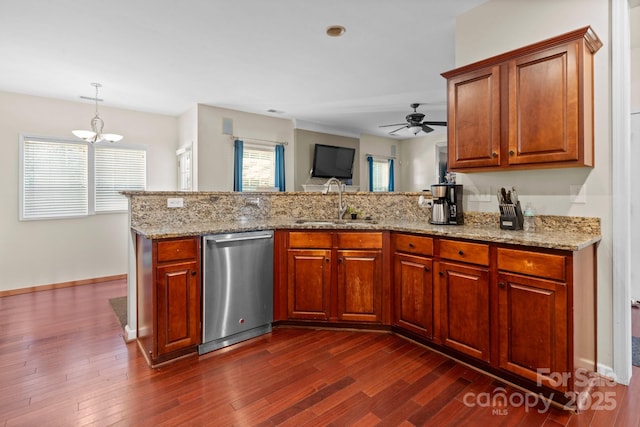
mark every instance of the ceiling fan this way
{"type": "Point", "coordinates": [415, 123]}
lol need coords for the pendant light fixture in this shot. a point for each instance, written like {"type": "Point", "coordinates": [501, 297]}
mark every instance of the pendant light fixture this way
{"type": "Point", "coordinates": [95, 134]}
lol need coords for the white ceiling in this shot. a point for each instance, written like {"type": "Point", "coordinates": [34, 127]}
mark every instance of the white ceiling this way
{"type": "Point", "coordinates": [166, 56]}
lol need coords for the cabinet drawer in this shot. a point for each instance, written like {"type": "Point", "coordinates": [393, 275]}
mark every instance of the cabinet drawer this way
{"type": "Point", "coordinates": [175, 250]}
{"type": "Point", "coordinates": [413, 244]}
{"type": "Point", "coordinates": [474, 253]}
{"type": "Point", "coordinates": [356, 240]}
{"type": "Point", "coordinates": [306, 239]}
{"type": "Point", "coordinates": [538, 264]}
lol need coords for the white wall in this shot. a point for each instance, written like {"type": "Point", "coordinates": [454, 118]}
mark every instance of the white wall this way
{"type": "Point", "coordinates": [634, 17]}
{"type": "Point", "coordinates": [188, 137]}
{"type": "Point", "coordinates": [418, 159]}
{"type": "Point", "coordinates": [215, 151]}
{"type": "Point", "coordinates": [34, 253]}
{"type": "Point", "coordinates": [502, 25]}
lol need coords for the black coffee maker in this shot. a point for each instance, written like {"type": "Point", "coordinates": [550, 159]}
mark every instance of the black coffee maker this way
{"type": "Point", "coordinates": [447, 204]}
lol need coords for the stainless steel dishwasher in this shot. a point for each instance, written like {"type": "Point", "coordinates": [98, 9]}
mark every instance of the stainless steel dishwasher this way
{"type": "Point", "coordinates": [237, 288]}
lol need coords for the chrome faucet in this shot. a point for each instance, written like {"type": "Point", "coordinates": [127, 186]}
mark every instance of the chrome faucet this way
{"type": "Point", "coordinates": [341, 209]}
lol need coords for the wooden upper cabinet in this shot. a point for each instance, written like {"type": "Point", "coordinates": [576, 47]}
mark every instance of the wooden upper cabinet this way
{"type": "Point", "coordinates": [544, 107]}
{"type": "Point", "coordinates": [474, 119]}
{"type": "Point", "coordinates": [524, 109]}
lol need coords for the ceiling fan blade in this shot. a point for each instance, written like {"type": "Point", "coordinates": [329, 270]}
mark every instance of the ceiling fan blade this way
{"type": "Point", "coordinates": [397, 124]}
{"type": "Point", "coordinates": [435, 123]}
{"type": "Point", "coordinates": [396, 130]}
{"type": "Point", "coordinates": [426, 129]}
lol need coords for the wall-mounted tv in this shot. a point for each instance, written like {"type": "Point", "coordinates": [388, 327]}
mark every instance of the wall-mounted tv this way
{"type": "Point", "coordinates": [330, 161]}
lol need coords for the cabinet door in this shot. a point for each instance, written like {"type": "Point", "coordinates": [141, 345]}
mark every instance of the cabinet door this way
{"type": "Point", "coordinates": [464, 293]}
{"type": "Point", "coordinates": [178, 301]}
{"type": "Point", "coordinates": [474, 119]}
{"type": "Point", "coordinates": [309, 276]}
{"type": "Point", "coordinates": [544, 106]}
{"type": "Point", "coordinates": [533, 328]}
{"type": "Point", "coordinates": [413, 284]}
{"type": "Point", "coordinates": [360, 285]}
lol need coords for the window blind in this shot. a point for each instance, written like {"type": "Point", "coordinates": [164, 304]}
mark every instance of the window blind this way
{"type": "Point", "coordinates": [55, 179]}
{"type": "Point", "coordinates": [258, 167]}
{"type": "Point", "coordinates": [117, 169]}
{"type": "Point", "coordinates": [380, 175]}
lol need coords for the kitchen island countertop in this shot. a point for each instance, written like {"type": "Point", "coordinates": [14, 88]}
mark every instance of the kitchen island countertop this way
{"type": "Point", "coordinates": [561, 240]}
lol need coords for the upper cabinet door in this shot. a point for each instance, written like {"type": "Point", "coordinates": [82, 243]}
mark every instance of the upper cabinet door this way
{"type": "Point", "coordinates": [525, 109]}
{"type": "Point", "coordinates": [544, 105]}
{"type": "Point", "coordinates": [474, 119]}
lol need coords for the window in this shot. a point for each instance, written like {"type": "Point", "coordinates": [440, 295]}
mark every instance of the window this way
{"type": "Point", "coordinates": [381, 175]}
{"type": "Point", "coordinates": [54, 179]}
{"type": "Point", "coordinates": [258, 167]}
{"type": "Point", "coordinates": [185, 180]}
{"type": "Point", "coordinates": [118, 169]}
{"type": "Point", "coordinates": [61, 178]}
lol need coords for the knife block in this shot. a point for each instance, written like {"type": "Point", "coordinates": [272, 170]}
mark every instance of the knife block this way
{"type": "Point", "coordinates": [511, 217]}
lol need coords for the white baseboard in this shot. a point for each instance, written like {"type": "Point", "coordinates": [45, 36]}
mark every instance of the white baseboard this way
{"type": "Point", "coordinates": [130, 335]}
{"type": "Point", "coordinates": [608, 371]}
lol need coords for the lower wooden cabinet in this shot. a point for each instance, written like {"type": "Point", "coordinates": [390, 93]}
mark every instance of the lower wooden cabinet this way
{"type": "Point", "coordinates": [360, 285]}
{"type": "Point", "coordinates": [413, 286]}
{"type": "Point", "coordinates": [334, 276]}
{"type": "Point", "coordinates": [309, 279]}
{"type": "Point", "coordinates": [533, 328]}
{"type": "Point", "coordinates": [168, 297]}
{"type": "Point", "coordinates": [525, 314]}
{"type": "Point", "coordinates": [464, 308]}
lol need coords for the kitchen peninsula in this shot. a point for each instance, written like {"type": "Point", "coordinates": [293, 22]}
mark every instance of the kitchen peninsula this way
{"type": "Point", "coordinates": [506, 302]}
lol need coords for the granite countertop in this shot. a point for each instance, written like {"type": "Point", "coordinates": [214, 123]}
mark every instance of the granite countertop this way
{"type": "Point", "coordinates": [563, 240]}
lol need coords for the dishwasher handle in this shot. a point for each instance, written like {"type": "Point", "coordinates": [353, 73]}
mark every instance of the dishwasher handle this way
{"type": "Point", "coordinates": [239, 239]}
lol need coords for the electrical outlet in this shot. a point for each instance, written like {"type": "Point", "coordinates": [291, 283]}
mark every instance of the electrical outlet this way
{"type": "Point", "coordinates": [578, 193]}
{"type": "Point", "coordinates": [175, 202]}
{"type": "Point", "coordinates": [424, 202]}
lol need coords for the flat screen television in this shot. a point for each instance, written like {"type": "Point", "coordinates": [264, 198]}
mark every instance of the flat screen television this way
{"type": "Point", "coordinates": [330, 161]}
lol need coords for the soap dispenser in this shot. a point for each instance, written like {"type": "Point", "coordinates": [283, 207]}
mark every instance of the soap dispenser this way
{"type": "Point", "coordinates": [529, 218]}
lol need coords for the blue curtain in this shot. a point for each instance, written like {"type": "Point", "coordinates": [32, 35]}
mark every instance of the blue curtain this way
{"type": "Point", "coordinates": [237, 165]}
{"type": "Point", "coordinates": [280, 167]}
{"type": "Point", "coordinates": [391, 181]}
{"type": "Point", "coordinates": [370, 161]}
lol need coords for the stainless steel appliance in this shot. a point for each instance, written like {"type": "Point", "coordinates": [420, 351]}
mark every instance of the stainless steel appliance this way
{"type": "Point", "coordinates": [237, 296]}
{"type": "Point", "coordinates": [447, 204]}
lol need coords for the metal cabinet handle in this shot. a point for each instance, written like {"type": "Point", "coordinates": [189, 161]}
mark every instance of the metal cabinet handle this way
{"type": "Point", "coordinates": [193, 273]}
{"type": "Point", "coordinates": [411, 245]}
{"type": "Point", "coordinates": [426, 268]}
{"type": "Point", "coordinates": [511, 152]}
{"type": "Point", "coordinates": [501, 285]}
{"type": "Point", "coordinates": [460, 253]}
{"type": "Point", "coordinates": [239, 239]}
{"type": "Point", "coordinates": [441, 273]}
{"type": "Point", "coordinates": [339, 260]}
{"type": "Point", "coordinates": [494, 154]}
{"type": "Point", "coordinates": [326, 260]}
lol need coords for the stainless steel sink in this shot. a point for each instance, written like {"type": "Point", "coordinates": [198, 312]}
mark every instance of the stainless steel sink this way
{"type": "Point", "coordinates": [337, 222]}
{"type": "Point", "coordinates": [312, 222]}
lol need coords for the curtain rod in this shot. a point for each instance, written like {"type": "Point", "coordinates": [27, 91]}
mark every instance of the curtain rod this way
{"type": "Point", "coordinates": [234, 137]}
{"type": "Point", "coordinates": [380, 157]}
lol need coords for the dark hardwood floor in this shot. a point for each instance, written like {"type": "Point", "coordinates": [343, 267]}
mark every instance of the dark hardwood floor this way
{"type": "Point", "coordinates": [63, 362]}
